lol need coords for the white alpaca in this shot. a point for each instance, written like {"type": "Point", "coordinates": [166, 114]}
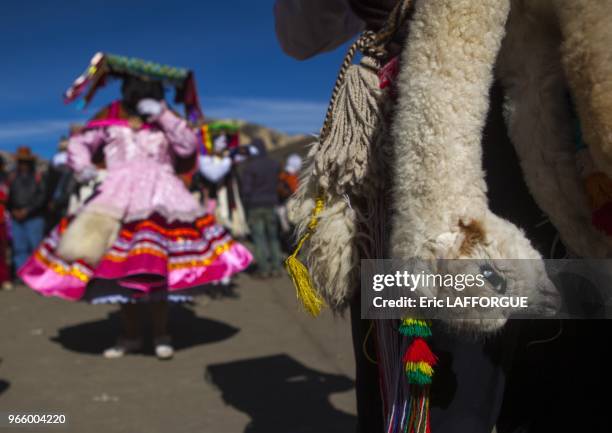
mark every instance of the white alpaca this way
{"type": "Point", "coordinates": [539, 49]}
{"type": "Point", "coordinates": [540, 125]}
{"type": "Point", "coordinates": [331, 257]}
{"type": "Point", "coordinates": [440, 208]}
{"type": "Point", "coordinates": [587, 35]}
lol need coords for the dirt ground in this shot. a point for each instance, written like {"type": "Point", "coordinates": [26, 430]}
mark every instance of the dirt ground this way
{"type": "Point", "coordinates": [248, 360]}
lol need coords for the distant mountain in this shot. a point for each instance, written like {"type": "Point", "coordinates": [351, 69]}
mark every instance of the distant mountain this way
{"type": "Point", "coordinates": [278, 143]}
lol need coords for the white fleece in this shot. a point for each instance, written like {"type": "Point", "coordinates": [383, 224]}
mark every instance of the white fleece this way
{"type": "Point", "coordinates": [443, 87]}
{"type": "Point", "coordinates": [440, 203]}
{"type": "Point", "coordinates": [88, 236]}
{"type": "Point", "coordinates": [540, 125]}
{"type": "Point", "coordinates": [587, 37]}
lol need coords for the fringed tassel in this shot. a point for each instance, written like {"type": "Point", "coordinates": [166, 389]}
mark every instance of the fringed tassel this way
{"type": "Point", "coordinates": [298, 272]}
{"type": "Point", "coordinates": [419, 362]}
{"type": "Point", "coordinates": [418, 412]}
{"type": "Point", "coordinates": [206, 140]}
{"type": "Point", "coordinates": [340, 164]}
{"type": "Point", "coordinates": [415, 328]}
{"type": "Point", "coordinates": [344, 155]}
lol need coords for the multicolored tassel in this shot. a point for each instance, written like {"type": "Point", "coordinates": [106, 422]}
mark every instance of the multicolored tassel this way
{"type": "Point", "coordinates": [419, 362]}
{"type": "Point", "coordinates": [206, 140]}
{"type": "Point", "coordinates": [415, 328]}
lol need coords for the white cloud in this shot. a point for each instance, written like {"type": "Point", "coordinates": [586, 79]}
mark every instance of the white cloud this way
{"type": "Point", "coordinates": [292, 116]}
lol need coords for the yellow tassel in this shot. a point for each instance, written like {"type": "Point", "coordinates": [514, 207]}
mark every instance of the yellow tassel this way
{"type": "Point", "coordinates": [309, 297]}
{"type": "Point", "coordinates": [207, 140]}
{"type": "Point", "coordinates": [421, 366]}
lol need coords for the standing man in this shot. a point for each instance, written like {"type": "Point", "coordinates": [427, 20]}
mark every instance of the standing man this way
{"type": "Point", "coordinates": [26, 203]}
{"type": "Point", "coordinates": [259, 182]}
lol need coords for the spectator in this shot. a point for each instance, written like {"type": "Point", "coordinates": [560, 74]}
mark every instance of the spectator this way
{"type": "Point", "coordinates": [26, 204]}
{"type": "Point", "coordinates": [60, 184]}
{"type": "Point", "coordinates": [287, 185]}
{"type": "Point", "coordinates": [259, 182]}
{"type": "Point", "coordinates": [289, 178]}
{"type": "Point", "coordinates": [5, 274]}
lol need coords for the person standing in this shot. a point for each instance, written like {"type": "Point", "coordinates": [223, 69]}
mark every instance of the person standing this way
{"type": "Point", "coordinates": [140, 240]}
{"type": "Point", "coordinates": [60, 183]}
{"type": "Point", "coordinates": [5, 271]}
{"type": "Point", "coordinates": [259, 182]}
{"type": "Point", "coordinates": [287, 185]}
{"type": "Point", "coordinates": [26, 203]}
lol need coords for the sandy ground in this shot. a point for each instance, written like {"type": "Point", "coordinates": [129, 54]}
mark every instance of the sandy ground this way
{"type": "Point", "coordinates": [248, 360]}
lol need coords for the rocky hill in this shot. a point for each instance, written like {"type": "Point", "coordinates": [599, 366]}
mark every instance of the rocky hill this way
{"type": "Point", "coordinates": [278, 143]}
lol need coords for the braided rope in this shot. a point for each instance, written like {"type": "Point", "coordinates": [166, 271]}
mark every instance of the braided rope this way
{"type": "Point", "coordinates": [363, 40]}
{"type": "Point", "coordinates": [371, 44]}
{"type": "Point", "coordinates": [396, 18]}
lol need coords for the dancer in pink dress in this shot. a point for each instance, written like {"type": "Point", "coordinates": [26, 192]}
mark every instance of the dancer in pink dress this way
{"type": "Point", "coordinates": [141, 240]}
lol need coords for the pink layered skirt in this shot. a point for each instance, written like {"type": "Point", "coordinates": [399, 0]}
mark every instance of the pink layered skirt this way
{"type": "Point", "coordinates": [151, 258]}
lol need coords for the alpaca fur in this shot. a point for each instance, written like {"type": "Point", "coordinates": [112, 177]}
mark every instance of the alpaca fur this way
{"type": "Point", "coordinates": [341, 167]}
{"type": "Point", "coordinates": [443, 87]}
{"type": "Point", "coordinates": [88, 237]}
{"type": "Point", "coordinates": [540, 124]}
{"type": "Point", "coordinates": [442, 102]}
{"type": "Point", "coordinates": [539, 49]}
{"type": "Point", "coordinates": [498, 242]}
{"type": "Point", "coordinates": [329, 254]}
{"type": "Point", "coordinates": [586, 56]}
{"type": "Point", "coordinates": [302, 202]}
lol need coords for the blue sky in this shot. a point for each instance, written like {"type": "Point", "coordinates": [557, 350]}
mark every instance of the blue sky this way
{"type": "Point", "coordinates": [231, 45]}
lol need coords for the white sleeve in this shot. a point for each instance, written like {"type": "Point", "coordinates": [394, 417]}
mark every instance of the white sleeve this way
{"type": "Point", "coordinates": [305, 28]}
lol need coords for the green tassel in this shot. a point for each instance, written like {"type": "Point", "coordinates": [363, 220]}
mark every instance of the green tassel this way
{"type": "Point", "coordinates": [418, 378]}
{"type": "Point", "coordinates": [415, 328]}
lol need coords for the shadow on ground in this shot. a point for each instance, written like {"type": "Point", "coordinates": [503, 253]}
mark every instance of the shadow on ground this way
{"type": "Point", "coordinates": [4, 385]}
{"type": "Point", "coordinates": [281, 395]}
{"type": "Point", "coordinates": [187, 329]}
{"type": "Point", "coordinates": [101, 288]}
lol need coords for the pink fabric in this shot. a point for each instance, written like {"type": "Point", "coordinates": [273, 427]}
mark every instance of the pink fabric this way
{"type": "Point", "coordinates": [141, 178]}
{"type": "Point", "coordinates": [211, 206]}
{"type": "Point", "coordinates": [388, 73]}
{"type": "Point", "coordinates": [236, 259]}
{"type": "Point", "coordinates": [136, 189]}
{"type": "Point", "coordinates": [114, 110]}
{"type": "Point", "coordinates": [114, 122]}
{"type": "Point", "coordinates": [166, 241]}
{"type": "Point", "coordinates": [49, 283]}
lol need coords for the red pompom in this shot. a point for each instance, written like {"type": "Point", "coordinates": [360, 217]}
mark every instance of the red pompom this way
{"type": "Point", "coordinates": [419, 351]}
